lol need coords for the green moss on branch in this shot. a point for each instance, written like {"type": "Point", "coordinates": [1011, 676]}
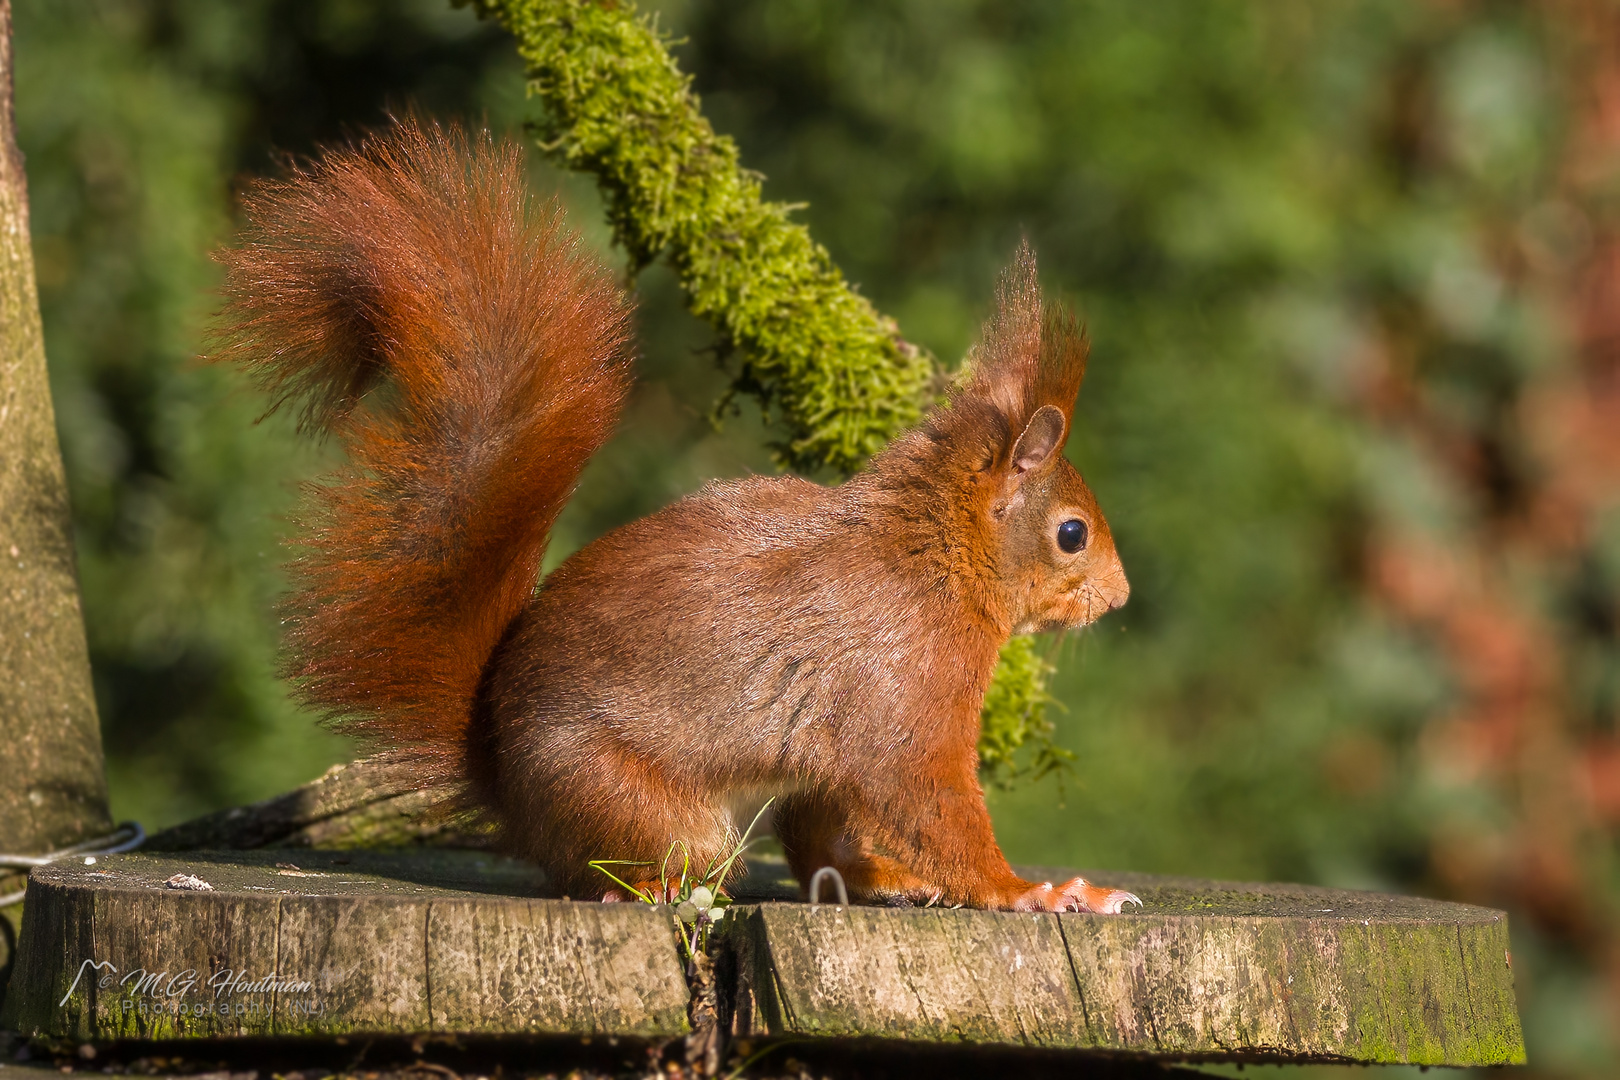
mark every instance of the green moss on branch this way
{"type": "Point", "coordinates": [817, 355]}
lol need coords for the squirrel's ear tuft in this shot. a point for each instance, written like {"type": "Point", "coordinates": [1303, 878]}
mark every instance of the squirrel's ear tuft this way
{"type": "Point", "coordinates": [1064, 348]}
{"type": "Point", "coordinates": [1032, 355]}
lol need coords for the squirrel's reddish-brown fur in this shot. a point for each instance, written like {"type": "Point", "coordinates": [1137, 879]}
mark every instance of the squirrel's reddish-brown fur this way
{"type": "Point", "coordinates": [765, 636]}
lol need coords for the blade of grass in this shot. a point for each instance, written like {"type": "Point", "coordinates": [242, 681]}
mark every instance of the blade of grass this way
{"type": "Point", "coordinates": [743, 843]}
{"type": "Point", "coordinates": [601, 866]}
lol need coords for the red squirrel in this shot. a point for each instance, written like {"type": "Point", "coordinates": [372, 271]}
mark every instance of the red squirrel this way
{"type": "Point", "coordinates": [769, 636]}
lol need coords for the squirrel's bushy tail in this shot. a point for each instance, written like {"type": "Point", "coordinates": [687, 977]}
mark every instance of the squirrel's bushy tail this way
{"type": "Point", "coordinates": [471, 356]}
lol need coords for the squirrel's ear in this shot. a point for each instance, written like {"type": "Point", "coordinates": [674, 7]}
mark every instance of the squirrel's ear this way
{"type": "Point", "coordinates": [1040, 442]}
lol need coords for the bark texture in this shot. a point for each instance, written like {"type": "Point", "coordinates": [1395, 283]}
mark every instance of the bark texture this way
{"type": "Point", "coordinates": [53, 786]}
{"type": "Point", "coordinates": [371, 803]}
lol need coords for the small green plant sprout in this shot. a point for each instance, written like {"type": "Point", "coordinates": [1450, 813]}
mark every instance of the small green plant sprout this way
{"type": "Point", "coordinates": [698, 901]}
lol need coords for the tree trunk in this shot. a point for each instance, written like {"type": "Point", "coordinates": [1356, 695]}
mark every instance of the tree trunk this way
{"type": "Point", "coordinates": [53, 787]}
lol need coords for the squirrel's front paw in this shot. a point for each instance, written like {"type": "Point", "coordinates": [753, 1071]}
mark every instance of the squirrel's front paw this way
{"type": "Point", "coordinates": [1076, 895]}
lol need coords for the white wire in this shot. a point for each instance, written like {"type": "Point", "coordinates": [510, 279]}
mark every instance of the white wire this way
{"type": "Point", "coordinates": [823, 874]}
{"type": "Point", "coordinates": [127, 837]}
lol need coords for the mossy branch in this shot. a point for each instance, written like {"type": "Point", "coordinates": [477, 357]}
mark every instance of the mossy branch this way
{"type": "Point", "coordinates": [819, 358]}
{"type": "Point", "coordinates": [817, 355]}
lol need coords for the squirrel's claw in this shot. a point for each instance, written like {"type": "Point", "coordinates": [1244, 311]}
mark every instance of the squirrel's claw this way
{"type": "Point", "coordinates": [1076, 895]}
{"type": "Point", "coordinates": [1115, 900]}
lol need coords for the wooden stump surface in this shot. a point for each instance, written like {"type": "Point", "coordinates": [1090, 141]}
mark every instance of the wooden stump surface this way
{"type": "Point", "coordinates": [447, 941]}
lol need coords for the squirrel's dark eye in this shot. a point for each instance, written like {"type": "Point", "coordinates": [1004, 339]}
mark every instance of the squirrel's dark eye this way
{"type": "Point", "coordinates": [1072, 535]}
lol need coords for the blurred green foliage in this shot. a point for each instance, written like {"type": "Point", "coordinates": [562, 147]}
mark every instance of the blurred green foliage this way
{"type": "Point", "coordinates": [1236, 197]}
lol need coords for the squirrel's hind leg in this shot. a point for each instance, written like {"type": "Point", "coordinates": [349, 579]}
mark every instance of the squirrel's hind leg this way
{"type": "Point", "coordinates": [815, 830]}
{"type": "Point", "coordinates": [606, 805]}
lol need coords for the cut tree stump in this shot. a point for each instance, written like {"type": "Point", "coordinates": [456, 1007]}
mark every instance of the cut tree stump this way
{"type": "Point", "coordinates": [1205, 970]}
{"type": "Point", "coordinates": [337, 943]}
{"type": "Point", "coordinates": [444, 941]}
